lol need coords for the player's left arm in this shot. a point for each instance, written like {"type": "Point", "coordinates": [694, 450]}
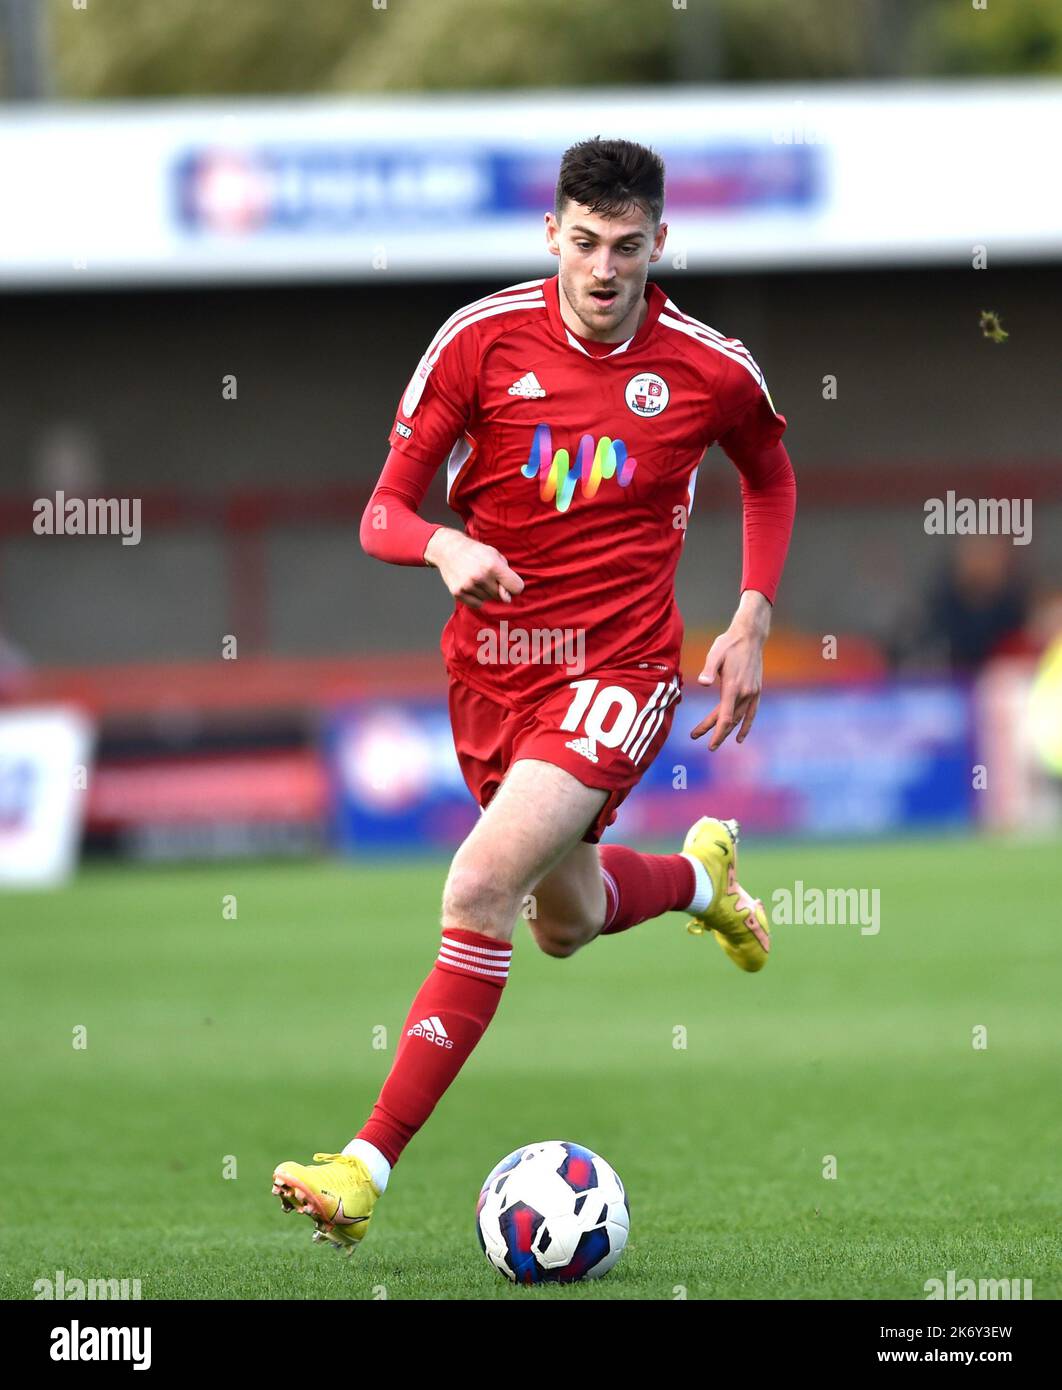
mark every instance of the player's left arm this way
{"type": "Point", "coordinates": [768, 494]}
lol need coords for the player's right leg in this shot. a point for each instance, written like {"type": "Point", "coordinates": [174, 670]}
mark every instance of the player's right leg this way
{"type": "Point", "coordinates": [536, 817]}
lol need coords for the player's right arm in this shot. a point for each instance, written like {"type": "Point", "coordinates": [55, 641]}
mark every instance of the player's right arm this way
{"type": "Point", "coordinates": [432, 415]}
{"type": "Point", "coordinates": [392, 530]}
{"type": "Point", "coordinates": [473, 572]}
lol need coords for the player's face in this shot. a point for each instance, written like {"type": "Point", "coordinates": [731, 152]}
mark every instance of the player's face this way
{"type": "Point", "coordinates": [604, 263]}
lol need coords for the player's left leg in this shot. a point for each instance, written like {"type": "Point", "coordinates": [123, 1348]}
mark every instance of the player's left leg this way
{"type": "Point", "coordinates": [567, 907]}
{"type": "Point", "coordinates": [606, 731]}
{"type": "Point", "coordinates": [597, 891]}
{"type": "Point", "coordinates": [600, 891]}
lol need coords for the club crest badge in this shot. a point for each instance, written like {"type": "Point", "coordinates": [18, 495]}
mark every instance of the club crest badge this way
{"type": "Point", "coordinates": [647, 394]}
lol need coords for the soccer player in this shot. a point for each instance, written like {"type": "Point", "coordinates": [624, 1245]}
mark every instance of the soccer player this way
{"type": "Point", "coordinates": [572, 413]}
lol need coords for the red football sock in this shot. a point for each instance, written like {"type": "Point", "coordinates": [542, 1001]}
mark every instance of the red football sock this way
{"type": "Point", "coordinates": [640, 886]}
{"type": "Point", "coordinates": [447, 1018]}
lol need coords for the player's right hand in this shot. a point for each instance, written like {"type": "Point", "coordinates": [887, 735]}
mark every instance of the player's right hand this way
{"type": "Point", "coordinates": [473, 572]}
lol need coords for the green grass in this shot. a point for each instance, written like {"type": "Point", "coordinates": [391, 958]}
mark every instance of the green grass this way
{"type": "Point", "coordinates": [253, 1038]}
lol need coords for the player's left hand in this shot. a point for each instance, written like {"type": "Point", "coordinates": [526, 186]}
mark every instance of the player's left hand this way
{"type": "Point", "coordinates": [735, 659]}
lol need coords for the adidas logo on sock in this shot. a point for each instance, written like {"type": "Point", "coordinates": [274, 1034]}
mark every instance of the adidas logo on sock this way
{"type": "Point", "coordinates": [585, 746]}
{"type": "Point", "coordinates": [528, 386]}
{"type": "Point", "coordinates": [431, 1029]}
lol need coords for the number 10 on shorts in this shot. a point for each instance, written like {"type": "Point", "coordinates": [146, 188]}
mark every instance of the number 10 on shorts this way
{"type": "Point", "coordinates": [632, 727]}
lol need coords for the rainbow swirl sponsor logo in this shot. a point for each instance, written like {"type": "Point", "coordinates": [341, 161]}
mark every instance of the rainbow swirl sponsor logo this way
{"type": "Point", "coordinates": [595, 461]}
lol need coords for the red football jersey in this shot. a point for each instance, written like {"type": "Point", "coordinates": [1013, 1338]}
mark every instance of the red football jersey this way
{"type": "Point", "coordinates": [580, 469]}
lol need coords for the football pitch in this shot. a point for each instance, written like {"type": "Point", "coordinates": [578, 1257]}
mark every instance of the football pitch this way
{"type": "Point", "coordinates": [216, 1045]}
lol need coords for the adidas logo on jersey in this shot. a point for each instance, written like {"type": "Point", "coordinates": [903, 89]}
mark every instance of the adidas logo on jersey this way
{"type": "Point", "coordinates": [585, 746]}
{"type": "Point", "coordinates": [432, 1030]}
{"type": "Point", "coordinates": [528, 386]}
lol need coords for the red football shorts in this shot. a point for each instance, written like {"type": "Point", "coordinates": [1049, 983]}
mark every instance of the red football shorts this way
{"type": "Point", "coordinates": [604, 729]}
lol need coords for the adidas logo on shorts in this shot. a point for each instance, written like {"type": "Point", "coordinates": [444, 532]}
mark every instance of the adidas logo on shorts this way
{"type": "Point", "coordinates": [431, 1029]}
{"type": "Point", "coordinates": [585, 746]}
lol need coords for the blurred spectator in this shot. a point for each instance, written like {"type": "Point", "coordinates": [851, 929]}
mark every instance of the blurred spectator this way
{"type": "Point", "coordinates": [14, 670]}
{"type": "Point", "coordinates": [1045, 698]}
{"type": "Point", "coordinates": [977, 609]}
{"type": "Point", "coordinates": [66, 460]}
{"type": "Point", "coordinates": [1045, 621]}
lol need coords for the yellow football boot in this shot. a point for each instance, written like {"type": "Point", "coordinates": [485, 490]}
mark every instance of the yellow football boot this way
{"type": "Point", "coordinates": [338, 1196]}
{"type": "Point", "coordinates": [738, 922]}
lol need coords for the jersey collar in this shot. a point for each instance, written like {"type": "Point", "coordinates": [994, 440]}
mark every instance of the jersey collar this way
{"type": "Point", "coordinates": [653, 293]}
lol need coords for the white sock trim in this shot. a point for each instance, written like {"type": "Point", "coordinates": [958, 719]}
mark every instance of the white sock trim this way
{"type": "Point", "coordinates": [611, 891]}
{"type": "Point", "coordinates": [703, 892]}
{"type": "Point", "coordinates": [373, 1159]}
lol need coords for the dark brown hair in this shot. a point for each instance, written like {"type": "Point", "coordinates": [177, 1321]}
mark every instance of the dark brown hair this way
{"type": "Point", "coordinates": [610, 177]}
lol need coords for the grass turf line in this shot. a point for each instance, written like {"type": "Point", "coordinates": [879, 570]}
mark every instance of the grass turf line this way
{"type": "Point", "coordinates": [254, 1038]}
